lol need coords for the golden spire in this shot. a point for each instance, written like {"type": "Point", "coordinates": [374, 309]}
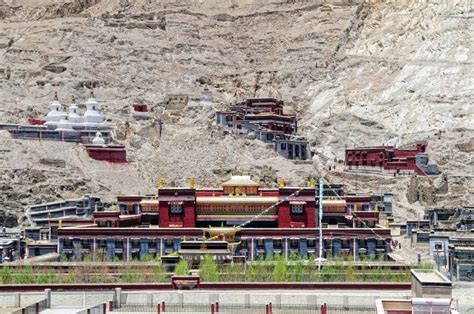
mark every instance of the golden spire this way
{"type": "Point", "coordinates": [96, 209]}
{"type": "Point", "coordinates": [91, 94]}
{"type": "Point", "coordinates": [312, 183]}
{"type": "Point", "coordinates": [191, 183]}
{"type": "Point", "coordinates": [55, 97]}
{"type": "Point", "coordinates": [281, 183]}
{"type": "Point", "coordinates": [161, 183]}
{"type": "Point", "coordinates": [60, 224]}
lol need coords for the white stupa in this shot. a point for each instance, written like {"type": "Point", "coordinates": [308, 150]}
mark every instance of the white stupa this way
{"type": "Point", "coordinates": [73, 115]}
{"type": "Point", "coordinates": [55, 113]}
{"type": "Point", "coordinates": [98, 139]}
{"type": "Point", "coordinates": [92, 117]}
{"type": "Point", "coordinates": [64, 125]}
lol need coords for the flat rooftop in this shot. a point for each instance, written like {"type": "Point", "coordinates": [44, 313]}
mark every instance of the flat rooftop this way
{"type": "Point", "coordinates": [425, 276]}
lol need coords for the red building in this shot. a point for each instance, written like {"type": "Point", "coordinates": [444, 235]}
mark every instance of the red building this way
{"type": "Point", "coordinates": [264, 221]}
{"type": "Point", "coordinates": [111, 152]}
{"type": "Point", "coordinates": [241, 200]}
{"type": "Point", "coordinates": [389, 158]}
{"type": "Point", "coordinates": [264, 118]}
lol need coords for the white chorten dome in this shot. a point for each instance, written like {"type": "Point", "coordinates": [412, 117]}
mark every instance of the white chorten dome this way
{"type": "Point", "coordinates": [64, 125]}
{"type": "Point", "coordinates": [73, 115]}
{"type": "Point", "coordinates": [92, 117]}
{"type": "Point", "coordinates": [55, 113]}
{"type": "Point", "coordinates": [98, 139]}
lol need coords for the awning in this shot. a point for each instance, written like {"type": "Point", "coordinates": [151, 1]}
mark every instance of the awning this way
{"type": "Point", "coordinates": [297, 203]}
{"type": "Point", "coordinates": [176, 203]}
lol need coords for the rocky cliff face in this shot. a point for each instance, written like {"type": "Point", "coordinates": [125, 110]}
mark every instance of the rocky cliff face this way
{"type": "Point", "coordinates": [356, 74]}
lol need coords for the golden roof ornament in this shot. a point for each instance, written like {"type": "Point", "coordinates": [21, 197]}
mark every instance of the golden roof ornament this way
{"type": "Point", "coordinates": [91, 94]}
{"type": "Point", "coordinates": [60, 224]}
{"type": "Point", "coordinates": [73, 99]}
{"type": "Point", "coordinates": [312, 183]}
{"type": "Point", "coordinates": [55, 97]}
{"type": "Point", "coordinates": [281, 183]}
{"type": "Point", "coordinates": [161, 183]}
{"type": "Point", "coordinates": [191, 183]}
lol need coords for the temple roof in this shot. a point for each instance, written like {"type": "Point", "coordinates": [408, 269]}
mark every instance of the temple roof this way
{"type": "Point", "coordinates": [240, 181]}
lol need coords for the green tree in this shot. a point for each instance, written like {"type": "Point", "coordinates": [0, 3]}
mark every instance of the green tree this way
{"type": "Point", "coordinates": [181, 268]}
{"type": "Point", "coordinates": [208, 269]}
{"type": "Point", "coordinates": [280, 270]}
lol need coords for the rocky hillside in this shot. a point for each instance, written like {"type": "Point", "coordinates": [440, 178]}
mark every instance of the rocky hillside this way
{"type": "Point", "coordinates": [356, 74]}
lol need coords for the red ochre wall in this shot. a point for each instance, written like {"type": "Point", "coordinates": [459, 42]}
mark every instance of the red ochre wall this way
{"type": "Point", "coordinates": [164, 218]}
{"type": "Point", "coordinates": [189, 219]}
{"type": "Point", "coordinates": [284, 218]}
{"type": "Point", "coordinates": [110, 155]}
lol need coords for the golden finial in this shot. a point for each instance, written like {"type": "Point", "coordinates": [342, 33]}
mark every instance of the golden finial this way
{"type": "Point", "coordinates": [161, 183]}
{"type": "Point", "coordinates": [91, 94]}
{"type": "Point", "coordinates": [55, 97]}
{"type": "Point", "coordinates": [95, 208]}
{"type": "Point", "coordinates": [281, 183]}
{"type": "Point", "coordinates": [312, 183]}
{"type": "Point", "coordinates": [60, 224]}
{"type": "Point", "coordinates": [73, 99]}
{"type": "Point", "coordinates": [191, 183]}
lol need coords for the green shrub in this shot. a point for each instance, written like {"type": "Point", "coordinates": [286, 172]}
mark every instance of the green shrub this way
{"type": "Point", "coordinates": [47, 277]}
{"type": "Point", "coordinates": [280, 270]}
{"type": "Point", "coordinates": [147, 258]}
{"type": "Point", "coordinates": [208, 269]}
{"type": "Point", "coordinates": [181, 268]}
{"type": "Point", "coordinates": [24, 275]}
{"type": "Point", "coordinates": [130, 276]}
{"type": "Point", "coordinates": [69, 277]}
{"type": "Point", "coordinates": [424, 265]}
{"type": "Point", "coordinates": [6, 275]}
{"type": "Point", "coordinates": [298, 271]}
{"type": "Point", "coordinates": [159, 274]}
{"type": "Point", "coordinates": [350, 273]}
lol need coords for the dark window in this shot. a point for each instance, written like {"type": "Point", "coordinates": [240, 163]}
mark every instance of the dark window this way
{"type": "Point", "coordinates": [176, 209]}
{"type": "Point", "coordinates": [297, 150]}
{"type": "Point", "coordinates": [122, 208]}
{"type": "Point", "coordinates": [294, 243]}
{"type": "Point", "coordinates": [297, 209]}
{"type": "Point", "coordinates": [283, 146]}
{"type": "Point", "coordinates": [438, 246]}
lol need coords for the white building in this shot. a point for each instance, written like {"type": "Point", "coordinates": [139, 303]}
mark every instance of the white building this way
{"type": "Point", "coordinates": [56, 119]}
{"type": "Point", "coordinates": [55, 113]}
